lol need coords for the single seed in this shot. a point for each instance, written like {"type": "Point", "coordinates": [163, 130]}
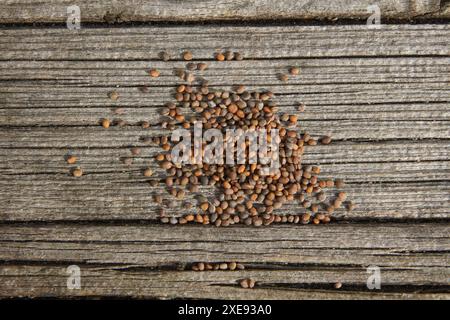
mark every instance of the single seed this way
{"type": "Point", "coordinates": [187, 55]}
{"type": "Point", "coordinates": [106, 123]}
{"type": "Point", "coordinates": [339, 183]}
{"type": "Point", "coordinates": [338, 285]}
{"type": "Point", "coordinates": [283, 77]}
{"type": "Point", "coordinates": [220, 57]}
{"type": "Point", "coordinates": [148, 172]}
{"type": "Point", "coordinates": [294, 71]}
{"type": "Point", "coordinates": [77, 172]}
{"type": "Point", "coordinates": [325, 140]}
{"type": "Point", "coordinates": [202, 66]}
{"type": "Point", "coordinates": [71, 159]}
{"type": "Point", "coordinates": [154, 73]}
{"type": "Point", "coordinates": [113, 95]}
{"type": "Point", "coordinates": [135, 151]}
{"type": "Point", "coordinates": [164, 56]}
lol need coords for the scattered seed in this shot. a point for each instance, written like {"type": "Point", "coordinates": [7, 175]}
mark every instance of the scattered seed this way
{"type": "Point", "coordinates": [220, 57]}
{"type": "Point", "coordinates": [202, 66]}
{"type": "Point", "coordinates": [77, 172]}
{"type": "Point", "coordinates": [294, 71]}
{"type": "Point", "coordinates": [187, 55]}
{"type": "Point", "coordinates": [113, 95]}
{"type": "Point", "coordinates": [148, 172]}
{"type": "Point", "coordinates": [164, 56]}
{"type": "Point", "coordinates": [283, 77]}
{"type": "Point", "coordinates": [154, 73]}
{"type": "Point", "coordinates": [135, 151]}
{"type": "Point", "coordinates": [325, 140]}
{"type": "Point", "coordinates": [105, 123]}
{"type": "Point", "coordinates": [71, 159]}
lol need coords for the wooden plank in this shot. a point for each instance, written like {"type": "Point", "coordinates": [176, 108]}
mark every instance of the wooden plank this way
{"type": "Point", "coordinates": [164, 10]}
{"type": "Point", "coordinates": [285, 261]}
{"type": "Point", "coordinates": [146, 43]}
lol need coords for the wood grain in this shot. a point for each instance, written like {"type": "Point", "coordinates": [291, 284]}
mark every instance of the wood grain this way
{"type": "Point", "coordinates": [271, 42]}
{"type": "Point", "coordinates": [21, 11]}
{"type": "Point", "coordinates": [382, 95]}
{"type": "Point", "coordinates": [286, 262]}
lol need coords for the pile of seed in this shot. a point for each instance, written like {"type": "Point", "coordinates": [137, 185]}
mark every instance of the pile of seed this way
{"type": "Point", "coordinates": [245, 196]}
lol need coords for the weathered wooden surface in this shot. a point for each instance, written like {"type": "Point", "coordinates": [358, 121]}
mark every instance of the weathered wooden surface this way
{"type": "Point", "coordinates": [382, 94]}
{"type": "Point", "coordinates": [29, 11]}
{"type": "Point", "coordinates": [287, 262]}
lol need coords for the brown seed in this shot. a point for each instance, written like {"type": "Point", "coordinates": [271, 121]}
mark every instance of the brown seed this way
{"type": "Point", "coordinates": [232, 265]}
{"type": "Point", "coordinates": [135, 151]}
{"type": "Point", "coordinates": [113, 95]}
{"type": "Point", "coordinates": [238, 56]}
{"type": "Point", "coordinates": [105, 123]}
{"type": "Point", "coordinates": [342, 195]}
{"type": "Point", "coordinates": [187, 55]}
{"type": "Point", "coordinates": [223, 266]}
{"type": "Point", "coordinates": [77, 172]}
{"type": "Point", "coordinates": [338, 285]}
{"type": "Point", "coordinates": [339, 183]}
{"type": "Point", "coordinates": [144, 89]}
{"type": "Point", "coordinates": [204, 206]}
{"type": "Point", "coordinates": [71, 159]}
{"type": "Point", "coordinates": [220, 57]}
{"type": "Point", "coordinates": [301, 107]}
{"type": "Point", "coordinates": [294, 71]}
{"type": "Point", "coordinates": [283, 77]}
{"type": "Point", "coordinates": [127, 161]}
{"type": "Point", "coordinates": [148, 172]}
{"type": "Point", "coordinates": [154, 73]}
{"type": "Point", "coordinates": [202, 66]}
{"type": "Point", "coordinates": [164, 56]}
{"type": "Point", "coordinates": [325, 140]}
{"type": "Point", "coordinates": [145, 124]}
{"type": "Point", "coordinates": [244, 283]}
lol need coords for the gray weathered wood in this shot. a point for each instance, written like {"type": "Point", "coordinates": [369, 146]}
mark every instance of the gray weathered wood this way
{"type": "Point", "coordinates": [168, 10]}
{"type": "Point", "coordinates": [146, 43]}
{"type": "Point", "coordinates": [287, 262]}
{"type": "Point", "coordinates": [382, 94]}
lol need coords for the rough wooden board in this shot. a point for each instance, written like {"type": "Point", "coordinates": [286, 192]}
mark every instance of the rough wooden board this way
{"type": "Point", "coordinates": [393, 153]}
{"type": "Point", "coordinates": [285, 261]}
{"type": "Point", "coordinates": [146, 43]}
{"type": "Point", "coordinates": [50, 281]}
{"type": "Point", "coordinates": [59, 197]}
{"type": "Point", "coordinates": [20, 11]}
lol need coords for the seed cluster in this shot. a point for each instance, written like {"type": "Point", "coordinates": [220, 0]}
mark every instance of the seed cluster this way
{"type": "Point", "coordinates": [205, 266]}
{"type": "Point", "coordinates": [245, 195]}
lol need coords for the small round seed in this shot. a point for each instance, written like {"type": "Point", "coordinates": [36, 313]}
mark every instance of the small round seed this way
{"type": "Point", "coordinates": [202, 66]}
{"type": "Point", "coordinates": [71, 159]}
{"type": "Point", "coordinates": [135, 151]}
{"type": "Point", "coordinates": [220, 57]}
{"type": "Point", "coordinates": [294, 71]}
{"type": "Point", "coordinates": [283, 77]}
{"type": "Point", "coordinates": [325, 140]}
{"type": "Point", "coordinates": [113, 95]}
{"type": "Point", "coordinates": [339, 183]}
{"type": "Point", "coordinates": [187, 55]}
{"type": "Point", "coordinates": [77, 172]}
{"type": "Point", "coordinates": [148, 172]}
{"type": "Point", "coordinates": [164, 56]}
{"type": "Point", "coordinates": [105, 123]}
{"type": "Point", "coordinates": [154, 73]}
